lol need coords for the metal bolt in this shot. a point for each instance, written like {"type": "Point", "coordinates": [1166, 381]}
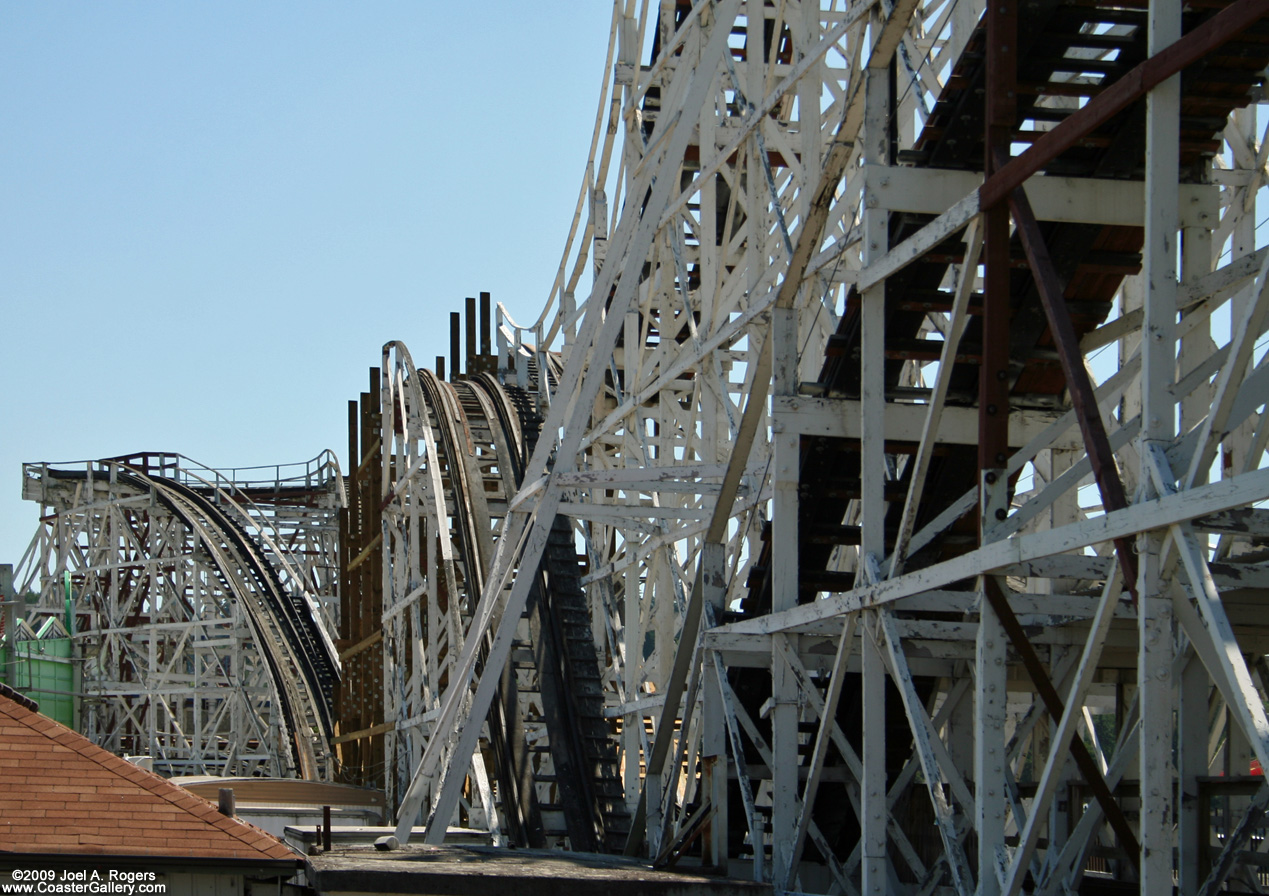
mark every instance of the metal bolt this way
{"type": "Point", "coordinates": [1000, 513]}
{"type": "Point", "coordinates": [991, 409]}
{"type": "Point", "coordinates": [990, 477]}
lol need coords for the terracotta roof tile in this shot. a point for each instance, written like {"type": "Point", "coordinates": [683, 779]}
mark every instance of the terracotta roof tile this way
{"type": "Point", "coordinates": [65, 795]}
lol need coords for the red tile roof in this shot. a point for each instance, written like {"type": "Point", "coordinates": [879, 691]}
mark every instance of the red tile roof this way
{"type": "Point", "coordinates": [63, 795]}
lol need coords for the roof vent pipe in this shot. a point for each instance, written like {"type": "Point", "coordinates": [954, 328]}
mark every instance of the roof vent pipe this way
{"type": "Point", "coordinates": [227, 801]}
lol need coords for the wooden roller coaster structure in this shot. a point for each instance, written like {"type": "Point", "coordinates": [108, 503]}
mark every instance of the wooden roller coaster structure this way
{"type": "Point", "coordinates": [878, 503]}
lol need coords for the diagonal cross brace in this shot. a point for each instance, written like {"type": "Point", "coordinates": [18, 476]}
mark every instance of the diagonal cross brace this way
{"type": "Point", "coordinates": [1215, 32]}
{"type": "Point", "coordinates": [1083, 396]}
{"type": "Point", "coordinates": [810, 236]}
{"type": "Point", "coordinates": [1053, 702]}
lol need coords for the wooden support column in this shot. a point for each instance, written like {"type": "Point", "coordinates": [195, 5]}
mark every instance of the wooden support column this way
{"type": "Point", "coordinates": [1193, 723]}
{"type": "Point", "coordinates": [486, 311]}
{"type": "Point", "coordinates": [1239, 451]}
{"type": "Point", "coordinates": [714, 766]}
{"type": "Point", "coordinates": [874, 804]}
{"type": "Point", "coordinates": [470, 309]}
{"type": "Point", "coordinates": [990, 717]}
{"type": "Point", "coordinates": [993, 407]}
{"type": "Point", "coordinates": [990, 672]}
{"type": "Point", "coordinates": [1193, 718]}
{"type": "Point", "coordinates": [785, 582]}
{"type": "Point", "coordinates": [1158, 428]}
{"type": "Point", "coordinates": [784, 595]}
{"type": "Point", "coordinates": [713, 726]}
{"type": "Point", "coordinates": [455, 342]}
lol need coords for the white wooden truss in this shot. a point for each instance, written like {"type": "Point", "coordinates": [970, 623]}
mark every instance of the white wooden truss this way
{"type": "Point", "coordinates": [180, 661]}
{"type": "Point", "coordinates": [743, 185]}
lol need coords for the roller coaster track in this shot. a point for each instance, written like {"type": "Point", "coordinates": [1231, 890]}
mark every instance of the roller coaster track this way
{"type": "Point", "coordinates": [460, 457]}
{"type": "Point", "coordinates": [299, 653]}
{"type": "Point", "coordinates": [873, 518]}
{"type": "Point", "coordinates": [794, 414]}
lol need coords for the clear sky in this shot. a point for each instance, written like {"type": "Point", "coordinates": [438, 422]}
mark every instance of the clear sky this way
{"type": "Point", "coordinates": [213, 215]}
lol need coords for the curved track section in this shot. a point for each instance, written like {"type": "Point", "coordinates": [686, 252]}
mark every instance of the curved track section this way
{"type": "Point", "coordinates": [300, 654]}
{"type": "Point", "coordinates": [457, 455]}
{"type": "Point", "coordinates": [301, 658]}
{"type": "Point", "coordinates": [895, 435]}
{"type": "Point", "coordinates": [914, 429]}
{"type": "Point", "coordinates": [200, 605]}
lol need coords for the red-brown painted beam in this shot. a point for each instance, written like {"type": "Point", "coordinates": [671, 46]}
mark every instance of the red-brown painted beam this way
{"type": "Point", "coordinates": [1213, 33]}
{"type": "Point", "coordinates": [1083, 396]}
{"type": "Point", "coordinates": [1000, 112]}
{"type": "Point", "coordinates": [1053, 703]}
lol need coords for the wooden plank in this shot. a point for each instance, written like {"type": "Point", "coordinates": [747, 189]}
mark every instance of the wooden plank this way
{"type": "Point", "coordinates": [365, 732]}
{"type": "Point", "coordinates": [1213, 33]}
{"type": "Point", "coordinates": [362, 645]}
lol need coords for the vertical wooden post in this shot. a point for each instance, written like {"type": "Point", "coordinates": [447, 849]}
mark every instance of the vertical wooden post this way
{"type": "Point", "coordinates": [874, 803]}
{"type": "Point", "coordinates": [472, 363]}
{"type": "Point", "coordinates": [455, 352]}
{"type": "Point", "coordinates": [1158, 428]}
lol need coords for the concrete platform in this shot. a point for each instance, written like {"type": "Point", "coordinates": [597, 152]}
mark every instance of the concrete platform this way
{"type": "Point", "coordinates": [481, 870]}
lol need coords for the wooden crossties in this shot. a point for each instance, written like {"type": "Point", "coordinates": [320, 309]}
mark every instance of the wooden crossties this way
{"type": "Point", "coordinates": [863, 506]}
{"type": "Point", "coordinates": [202, 604]}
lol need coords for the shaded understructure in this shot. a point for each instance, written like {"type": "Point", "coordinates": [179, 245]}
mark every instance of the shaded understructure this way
{"type": "Point", "coordinates": [877, 503]}
{"type": "Point", "coordinates": [884, 572]}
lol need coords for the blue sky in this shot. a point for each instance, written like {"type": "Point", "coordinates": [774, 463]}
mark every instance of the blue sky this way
{"type": "Point", "coordinates": [213, 215]}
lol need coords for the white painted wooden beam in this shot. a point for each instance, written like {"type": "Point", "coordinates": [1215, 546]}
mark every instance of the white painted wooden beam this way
{"type": "Point", "coordinates": [997, 555]}
{"type": "Point", "coordinates": [1073, 200]}
{"type": "Point", "coordinates": [841, 418]}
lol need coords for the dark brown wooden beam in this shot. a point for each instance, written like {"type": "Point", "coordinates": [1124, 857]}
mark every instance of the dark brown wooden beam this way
{"type": "Point", "coordinates": [1083, 397]}
{"type": "Point", "coordinates": [455, 346]}
{"type": "Point", "coordinates": [993, 374]}
{"type": "Point", "coordinates": [1053, 703]}
{"type": "Point", "coordinates": [470, 369]}
{"type": "Point", "coordinates": [1216, 31]}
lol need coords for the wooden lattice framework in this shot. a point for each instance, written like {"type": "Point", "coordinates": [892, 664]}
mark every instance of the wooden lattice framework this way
{"type": "Point", "coordinates": [172, 662]}
{"type": "Point", "coordinates": [902, 383]}
{"type": "Point", "coordinates": [949, 668]}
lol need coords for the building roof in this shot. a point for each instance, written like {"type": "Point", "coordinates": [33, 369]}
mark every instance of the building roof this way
{"type": "Point", "coordinates": [63, 795]}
